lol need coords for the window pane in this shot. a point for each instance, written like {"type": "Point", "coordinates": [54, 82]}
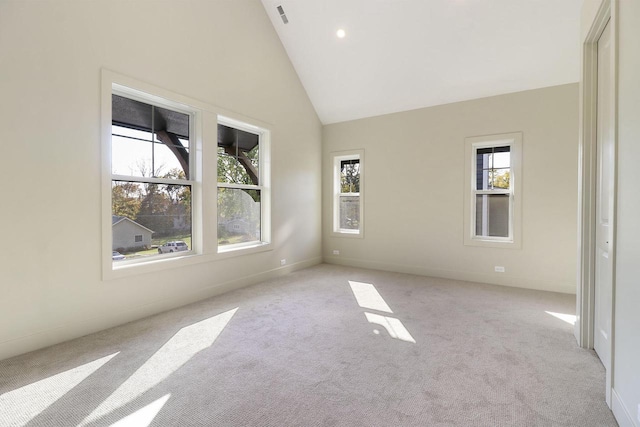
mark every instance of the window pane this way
{"type": "Point", "coordinates": [492, 167]}
{"type": "Point", "coordinates": [236, 169]}
{"type": "Point", "coordinates": [350, 212]}
{"type": "Point", "coordinates": [500, 178]}
{"type": "Point", "coordinates": [350, 176]}
{"type": "Point", "coordinates": [133, 124]}
{"type": "Point", "coordinates": [492, 215]}
{"type": "Point", "coordinates": [502, 159]}
{"type": "Point", "coordinates": [238, 156]}
{"type": "Point", "coordinates": [254, 156]}
{"type": "Point", "coordinates": [483, 179]}
{"type": "Point", "coordinates": [130, 156]}
{"type": "Point", "coordinates": [238, 216]}
{"type": "Point", "coordinates": [484, 158]}
{"type": "Point", "coordinates": [169, 161]}
{"type": "Point", "coordinates": [160, 214]}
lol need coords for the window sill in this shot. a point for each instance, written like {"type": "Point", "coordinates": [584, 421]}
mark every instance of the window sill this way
{"type": "Point", "coordinates": [356, 234]}
{"type": "Point", "coordinates": [122, 269]}
{"type": "Point", "coordinates": [127, 269]}
{"type": "Point", "coordinates": [242, 249]}
{"type": "Point", "coordinates": [492, 243]}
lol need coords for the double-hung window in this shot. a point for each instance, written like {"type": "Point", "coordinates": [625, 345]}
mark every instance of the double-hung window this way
{"type": "Point", "coordinates": [165, 201]}
{"type": "Point", "coordinates": [151, 174]}
{"type": "Point", "coordinates": [243, 197]}
{"type": "Point", "coordinates": [348, 187]}
{"type": "Point", "coordinates": [493, 190]}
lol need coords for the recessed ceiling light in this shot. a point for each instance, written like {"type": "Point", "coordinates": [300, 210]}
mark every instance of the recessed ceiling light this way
{"type": "Point", "coordinates": [341, 33]}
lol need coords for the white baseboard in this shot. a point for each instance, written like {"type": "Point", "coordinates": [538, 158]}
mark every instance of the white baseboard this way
{"type": "Point", "coordinates": [467, 276]}
{"type": "Point", "coordinates": [623, 417]}
{"type": "Point", "coordinates": [71, 330]}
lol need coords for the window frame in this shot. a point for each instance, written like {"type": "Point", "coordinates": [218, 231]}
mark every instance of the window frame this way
{"type": "Point", "coordinates": [472, 145]}
{"type": "Point", "coordinates": [264, 184]}
{"type": "Point", "coordinates": [203, 165]}
{"type": "Point", "coordinates": [337, 159]}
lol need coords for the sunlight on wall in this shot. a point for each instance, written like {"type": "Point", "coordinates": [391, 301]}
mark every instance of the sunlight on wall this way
{"type": "Point", "coordinates": [368, 297]}
{"type": "Point", "coordinates": [143, 417]}
{"type": "Point", "coordinates": [394, 327]}
{"type": "Point", "coordinates": [20, 406]}
{"type": "Point", "coordinates": [569, 318]}
{"type": "Point", "coordinates": [169, 358]}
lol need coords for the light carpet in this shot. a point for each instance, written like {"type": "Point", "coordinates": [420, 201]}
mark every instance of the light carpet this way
{"type": "Point", "coordinates": [325, 346]}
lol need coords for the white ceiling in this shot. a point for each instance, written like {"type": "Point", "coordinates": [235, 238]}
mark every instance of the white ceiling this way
{"type": "Point", "coordinates": [400, 55]}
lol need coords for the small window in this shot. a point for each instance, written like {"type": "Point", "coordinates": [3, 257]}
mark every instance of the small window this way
{"type": "Point", "coordinates": [347, 201]}
{"type": "Point", "coordinates": [138, 238]}
{"type": "Point", "coordinates": [242, 185]}
{"type": "Point", "coordinates": [493, 185]}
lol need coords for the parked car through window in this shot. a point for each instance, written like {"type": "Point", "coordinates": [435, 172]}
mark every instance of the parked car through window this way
{"type": "Point", "coordinates": [176, 246]}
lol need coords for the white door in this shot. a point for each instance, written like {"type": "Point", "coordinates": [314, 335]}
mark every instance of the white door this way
{"type": "Point", "coordinates": [604, 201]}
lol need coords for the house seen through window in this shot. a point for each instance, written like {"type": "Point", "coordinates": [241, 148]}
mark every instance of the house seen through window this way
{"type": "Point", "coordinates": [151, 177]}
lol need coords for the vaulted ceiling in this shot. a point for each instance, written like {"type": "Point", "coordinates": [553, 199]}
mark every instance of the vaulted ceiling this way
{"type": "Point", "coordinates": [399, 55]}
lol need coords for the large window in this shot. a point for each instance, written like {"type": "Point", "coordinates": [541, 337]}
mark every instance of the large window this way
{"type": "Point", "coordinates": [180, 178]}
{"type": "Point", "coordinates": [493, 204]}
{"type": "Point", "coordinates": [151, 171]}
{"type": "Point", "coordinates": [242, 183]}
{"type": "Point", "coordinates": [347, 193]}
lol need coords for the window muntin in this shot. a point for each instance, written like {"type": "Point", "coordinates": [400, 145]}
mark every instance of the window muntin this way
{"type": "Point", "coordinates": [241, 186]}
{"type": "Point", "coordinates": [347, 218]}
{"type": "Point", "coordinates": [150, 170]}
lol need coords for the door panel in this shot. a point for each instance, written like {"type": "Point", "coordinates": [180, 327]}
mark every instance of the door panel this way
{"type": "Point", "coordinates": [604, 200]}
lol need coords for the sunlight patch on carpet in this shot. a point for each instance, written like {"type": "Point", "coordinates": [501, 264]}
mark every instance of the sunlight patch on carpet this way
{"type": "Point", "coordinates": [185, 344]}
{"type": "Point", "coordinates": [368, 297]}
{"type": "Point", "coordinates": [144, 416]}
{"type": "Point", "coordinates": [394, 327]}
{"type": "Point", "coordinates": [569, 318]}
{"type": "Point", "coordinates": [21, 405]}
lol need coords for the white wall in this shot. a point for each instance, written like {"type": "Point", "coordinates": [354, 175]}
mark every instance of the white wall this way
{"type": "Point", "coordinates": [626, 370]}
{"type": "Point", "coordinates": [625, 400]}
{"type": "Point", "coordinates": [413, 217]}
{"type": "Point", "coordinates": [225, 53]}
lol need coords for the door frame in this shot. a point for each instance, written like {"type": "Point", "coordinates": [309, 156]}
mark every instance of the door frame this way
{"type": "Point", "coordinates": [587, 174]}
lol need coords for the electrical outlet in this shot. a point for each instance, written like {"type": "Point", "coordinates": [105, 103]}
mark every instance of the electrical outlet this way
{"type": "Point", "coordinates": [283, 262]}
{"type": "Point", "coordinates": [499, 269]}
{"type": "Point", "coordinates": [336, 252]}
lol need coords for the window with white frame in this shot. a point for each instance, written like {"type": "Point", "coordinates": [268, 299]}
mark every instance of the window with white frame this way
{"type": "Point", "coordinates": [151, 172]}
{"type": "Point", "coordinates": [347, 193]}
{"type": "Point", "coordinates": [243, 178]}
{"type": "Point", "coordinates": [161, 185]}
{"type": "Point", "coordinates": [493, 183]}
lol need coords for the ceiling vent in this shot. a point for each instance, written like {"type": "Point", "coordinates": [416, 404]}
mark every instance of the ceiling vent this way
{"type": "Point", "coordinates": [282, 15]}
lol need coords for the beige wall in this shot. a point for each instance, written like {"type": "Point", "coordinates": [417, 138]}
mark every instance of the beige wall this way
{"type": "Point", "coordinates": [224, 53]}
{"type": "Point", "coordinates": [413, 213]}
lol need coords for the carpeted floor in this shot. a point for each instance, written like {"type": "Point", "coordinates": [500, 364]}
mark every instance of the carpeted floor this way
{"type": "Point", "coordinates": [313, 349]}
